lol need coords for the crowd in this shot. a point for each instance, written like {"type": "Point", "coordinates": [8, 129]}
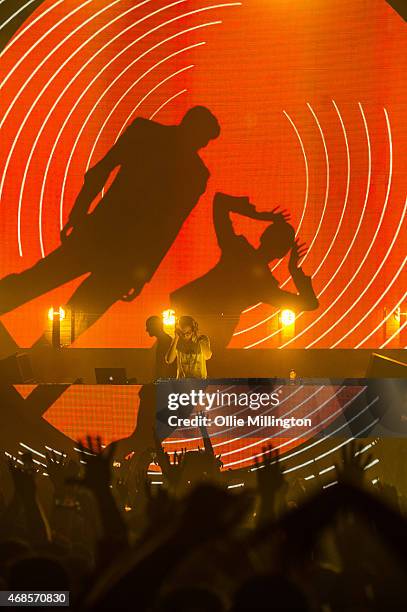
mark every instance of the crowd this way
{"type": "Point", "coordinates": [106, 531]}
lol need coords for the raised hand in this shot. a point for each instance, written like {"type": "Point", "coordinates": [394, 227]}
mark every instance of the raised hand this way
{"type": "Point", "coordinates": [277, 214]}
{"type": "Point", "coordinates": [97, 464]}
{"type": "Point", "coordinates": [97, 478]}
{"type": "Point", "coordinates": [23, 480]}
{"type": "Point", "coordinates": [178, 331]}
{"type": "Point", "coordinates": [23, 476]}
{"type": "Point", "coordinates": [352, 469]}
{"type": "Point", "coordinates": [56, 469]}
{"type": "Point", "coordinates": [270, 477]}
{"type": "Point", "coordinates": [171, 471]}
{"type": "Point", "coordinates": [298, 251]}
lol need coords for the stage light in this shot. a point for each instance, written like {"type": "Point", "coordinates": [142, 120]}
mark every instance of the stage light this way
{"type": "Point", "coordinates": [169, 317]}
{"type": "Point", "coordinates": [287, 317]}
{"type": "Point", "coordinates": [292, 375]}
{"type": "Point", "coordinates": [56, 316]}
{"type": "Point", "coordinates": [287, 322]}
{"type": "Point", "coordinates": [53, 313]}
{"type": "Point", "coordinates": [392, 324]}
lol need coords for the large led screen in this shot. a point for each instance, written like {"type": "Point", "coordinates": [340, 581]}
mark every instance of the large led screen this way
{"type": "Point", "coordinates": [310, 101]}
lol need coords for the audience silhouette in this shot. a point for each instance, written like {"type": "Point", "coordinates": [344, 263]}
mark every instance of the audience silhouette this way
{"type": "Point", "coordinates": [182, 541]}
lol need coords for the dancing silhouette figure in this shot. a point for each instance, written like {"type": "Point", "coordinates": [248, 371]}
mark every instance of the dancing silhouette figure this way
{"type": "Point", "coordinates": [122, 241]}
{"type": "Point", "coordinates": [242, 277]}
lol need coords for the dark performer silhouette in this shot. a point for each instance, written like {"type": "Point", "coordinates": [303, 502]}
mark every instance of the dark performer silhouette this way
{"type": "Point", "coordinates": [155, 329]}
{"type": "Point", "coordinates": [123, 240]}
{"type": "Point", "coordinates": [242, 277]}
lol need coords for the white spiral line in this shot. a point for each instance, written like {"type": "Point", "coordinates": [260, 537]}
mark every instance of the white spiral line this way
{"type": "Point", "coordinates": [249, 346]}
{"type": "Point", "coordinates": [154, 113]}
{"type": "Point", "coordinates": [295, 453]}
{"type": "Point", "coordinates": [379, 299]}
{"type": "Point", "coordinates": [312, 444]}
{"type": "Point", "coordinates": [42, 91]}
{"type": "Point", "coordinates": [83, 67]}
{"type": "Point", "coordinates": [370, 247]}
{"type": "Point", "coordinates": [28, 27]}
{"type": "Point", "coordinates": [194, 12]}
{"type": "Point", "coordinates": [75, 76]}
{"type": "Point", "coordinates": [70, 114]}
{"type": "Point", "coordinates": [383, 322]}
{"type": "Point", "coordinates": [170, 99]}
{"type": "Point", "coordinates": [299, 225]}
{"type": "Point", "coordinates": [15, 14]}
{"type": "Point", "coordinates": [137, 106]}
{"type": "Point", "coordinates": [338, 227]}
{"type": "Point", "coordinates": [396, 333]}
{"type": "Point", "coordinates": [275, 314]}
{"type": "Point", "coordinates": [355, 235]}
{"type": "Point", "coordinates": [224, 431]}
{"type": "Point", "coordinates": [47, 33]}
{"type": "Point", "coordinates": [291, 440]}
{"type": "Point", "coordinates": [97, 102]}
{"type": "Point", "coordinates": [88, 87]}
{"type": "Point", "coordinates": [345, 204]}
{"type": "Point", "coordinates": [335, 448]}
{"type": "Point", "coordinates": [367, 193]}
{"type": "Point", "coordinates": [262, 441]}
{"type": "Point", "coordinates": [281, 431]}
{"type": "Point", "coordinates": [111, 84]}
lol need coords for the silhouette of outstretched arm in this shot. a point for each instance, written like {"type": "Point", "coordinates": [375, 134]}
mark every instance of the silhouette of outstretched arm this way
{"type": "Point", "coordinates": [97, 478]}
{"type": "Point", "coordinates": [96, 177]}
{"type": "Point", "coordinates": [95, 180]}
{"type": "Point", "coordinates": [271, 485]}
{"type": "Point", "coordinates": [224, 204]}
{"type": "Point", "coordinates": [26, 497]}
{"type": "Point", "coordinates": [215, 460]}
{"type": "Point", "coordinates": [305, 299]}
{"type": "Point", "coordinates": [206, 438]}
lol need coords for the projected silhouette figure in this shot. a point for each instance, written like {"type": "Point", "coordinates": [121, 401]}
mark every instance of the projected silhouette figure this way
{"type": "Point", "coordinates": [242, 277]}
{"type": "Point", "coordinates": [123, 240]}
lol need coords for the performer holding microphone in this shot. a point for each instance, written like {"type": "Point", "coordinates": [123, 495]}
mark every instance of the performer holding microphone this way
{"type": "Point", "coordinates": [190, 349]}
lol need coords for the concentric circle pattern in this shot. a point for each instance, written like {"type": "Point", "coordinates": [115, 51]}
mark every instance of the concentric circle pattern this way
{"type": "Point", "coordinates": [83, 409]}
{"type": "Point", "coordinates": [311, 108]}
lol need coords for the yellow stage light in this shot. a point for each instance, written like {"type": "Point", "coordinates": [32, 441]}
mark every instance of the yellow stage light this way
{"type": "Point", "coordinates": [60, 312]}
{"type": "Point", "coordinates": [392, 324]}
{"type": "Point", "coordinates": [292, 375]}
{"type": "Point", "coordinates": [168, 318]}
{"type": "Point", "coordinates": [287, 317]}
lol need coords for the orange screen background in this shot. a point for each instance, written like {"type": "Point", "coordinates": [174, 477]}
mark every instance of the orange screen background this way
{"type": "Point", "coordinates": [310, 98]}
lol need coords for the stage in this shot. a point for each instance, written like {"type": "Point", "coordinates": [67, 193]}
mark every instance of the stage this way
{"type": "Point", "coordinates": [67, 365]}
